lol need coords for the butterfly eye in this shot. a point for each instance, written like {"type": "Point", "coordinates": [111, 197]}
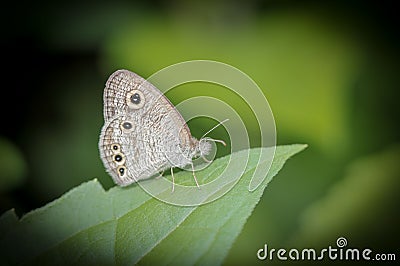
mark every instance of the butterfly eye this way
{"type": "Point", "coordinates": [121, 171]}
{"type": "Point", "coordinates": [135, 99]}
{"type": "Point", "coordinates": [119, 158]}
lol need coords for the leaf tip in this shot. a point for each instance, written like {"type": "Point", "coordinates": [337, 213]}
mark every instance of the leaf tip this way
{"type": "Point", "coordinates": [292, 149]}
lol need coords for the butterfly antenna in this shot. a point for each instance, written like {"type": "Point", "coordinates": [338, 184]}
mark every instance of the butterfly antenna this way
{"type": "Point", "coordinates": [217, 140]}
{"type": "Point", "coordinates": [220, 123]}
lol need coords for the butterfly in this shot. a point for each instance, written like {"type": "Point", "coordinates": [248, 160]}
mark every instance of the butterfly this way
{"type": "Point", "coordinates": [143, 133]}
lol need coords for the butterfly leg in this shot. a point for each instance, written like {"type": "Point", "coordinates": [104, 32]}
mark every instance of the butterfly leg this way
{"type": "Point", "coordinates": [160, 175]}
{"type": "Point", "coordinates": [173, 179]}
{"type": "Point", "coordinates": [194, 176]}
{"type": "Point", "coordinates": [205, 159]}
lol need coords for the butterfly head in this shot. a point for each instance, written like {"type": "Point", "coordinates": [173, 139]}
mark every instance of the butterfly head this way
{"type": "Point", "coordinates": [204, 147]}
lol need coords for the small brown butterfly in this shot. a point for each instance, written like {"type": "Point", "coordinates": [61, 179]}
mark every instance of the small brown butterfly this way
{"type": "Point", "coordinates": [143, 133]}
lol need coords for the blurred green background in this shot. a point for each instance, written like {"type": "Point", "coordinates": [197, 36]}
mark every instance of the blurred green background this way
{"type": "Point", "coordinates": [330, 72]}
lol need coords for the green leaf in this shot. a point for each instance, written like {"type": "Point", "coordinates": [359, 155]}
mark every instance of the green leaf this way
{"type": "Point", "coordinates": [124, 226]}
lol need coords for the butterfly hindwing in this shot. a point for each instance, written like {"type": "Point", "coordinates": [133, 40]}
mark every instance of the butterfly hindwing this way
{"type": "Point", "coordinates": [115, 148]}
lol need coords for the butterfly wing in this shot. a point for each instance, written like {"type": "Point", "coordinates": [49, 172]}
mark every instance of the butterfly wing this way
{"type": "Point", "coordinates": [114, 146]}
{"type": "Point", "coordinates": [151, 133]}
{"type": "Point", "coordinates": [127, 154]}
{"type": "Point", "coordinates": [115, 92]}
